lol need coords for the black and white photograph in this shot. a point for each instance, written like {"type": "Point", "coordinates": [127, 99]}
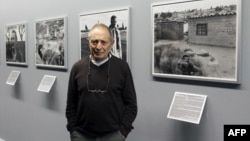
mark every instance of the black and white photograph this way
{"type": "Point", "coordinates": [117, 21]}
{"type": "Point", "coordinates": [196, 40]}
{"type": "Point", "coordinates": [51, 43]}
{"type": "Point", "coordinates": [16, 43]}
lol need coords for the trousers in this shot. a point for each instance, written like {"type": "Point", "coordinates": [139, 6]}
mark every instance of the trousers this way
{"type": "Point", "coordinates": [114, 136]}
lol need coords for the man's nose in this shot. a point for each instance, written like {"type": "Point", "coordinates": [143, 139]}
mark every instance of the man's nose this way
{"type": "Point", "coordinates": [99, 45]}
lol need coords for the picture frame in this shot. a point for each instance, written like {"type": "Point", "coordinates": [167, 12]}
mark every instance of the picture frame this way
{"type": "Point", "coordinates": [51, 42]}
{"type": "Point", "coordinates": [16, 44]}
{"type": "Point", "coordinates": [197, 40]}
{"type": "Point", "coordinates": [121, 16]}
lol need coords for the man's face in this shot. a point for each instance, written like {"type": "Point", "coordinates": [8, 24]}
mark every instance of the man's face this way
{"type": "Point", "coordinates": [113, 21]}
{"type": "Point", "coordinates": [186, 59]}
{"type": "Point", "coordinates": [100, 43]}
{"type": "Point", "coordinates": [13, 37]}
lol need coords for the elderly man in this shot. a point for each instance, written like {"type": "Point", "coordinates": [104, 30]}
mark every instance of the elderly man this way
{"type": "Point", "coordinates": [101, 103]}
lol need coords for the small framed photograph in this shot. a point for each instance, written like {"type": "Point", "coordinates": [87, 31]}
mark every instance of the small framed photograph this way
{"type": "Point", "coordinates": [16, 43]}
{"type": "Point", "coordinates": [51, 43]}
{"type": "Point", "coordinates": [118, 21]}
{"type": "Point", "coordinates": [197, 40]}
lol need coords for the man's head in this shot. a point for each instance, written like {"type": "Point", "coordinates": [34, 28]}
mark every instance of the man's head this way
{"type": "Point", "coordinates": [100, 42]}
{"type": "Point", "coordinates": [113, 20]}
{"type": "Point", "coordinates": [185, 58]}
{"type": "Point", "coordinates": [13, 36]}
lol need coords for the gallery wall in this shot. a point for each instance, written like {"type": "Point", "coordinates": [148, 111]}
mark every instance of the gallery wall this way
{"type": "Point", "coordinates": [30, 115]}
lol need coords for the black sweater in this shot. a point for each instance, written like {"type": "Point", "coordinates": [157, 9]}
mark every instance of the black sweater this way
{"type": "Point", "coordinates": [96, 114]}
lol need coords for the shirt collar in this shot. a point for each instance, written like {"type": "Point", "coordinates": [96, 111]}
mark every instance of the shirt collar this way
{"type": "Point", "coordinates": [99, 63]}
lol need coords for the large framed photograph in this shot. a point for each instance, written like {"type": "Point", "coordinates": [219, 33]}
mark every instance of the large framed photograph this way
{"type": "Point", "coordinates": [51, 42]}
{"type": "Point", "coordinates": [197, 40]}
{"type": "Point", "coordinates": [16, 43]}
{"type": "Point", "coordinates": [118, 22]}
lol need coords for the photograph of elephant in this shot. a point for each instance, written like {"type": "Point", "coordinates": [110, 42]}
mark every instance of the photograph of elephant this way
{"type": "Point", "coordinates": [16, 44]}
{"type": "Point", "coordinates": [196, 40]}
{"type": "Point", "coordinates": [50, 40]}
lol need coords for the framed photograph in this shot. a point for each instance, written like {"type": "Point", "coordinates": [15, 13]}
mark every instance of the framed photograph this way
{"type": "Point", "coordinates": [16, 43]}
{"type": "Point", "coordinates": [118, 22]}
{"type": "Point", "coordinates": [197, 40]}
{"type": "Point", "coordinates": [51, 43]}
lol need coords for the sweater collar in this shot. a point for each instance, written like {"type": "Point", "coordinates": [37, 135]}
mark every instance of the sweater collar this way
{"type": "Point", "coordinates": [99, 63]}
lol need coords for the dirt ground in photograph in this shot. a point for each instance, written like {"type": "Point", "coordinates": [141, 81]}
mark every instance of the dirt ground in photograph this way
{"type": "Point", "coordinates": [225, 57]}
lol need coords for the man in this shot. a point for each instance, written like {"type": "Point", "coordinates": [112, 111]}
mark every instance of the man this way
{"type": "Point", "coordinates": [117, 48]}
{"type": "Point", "coordinates": [101, 103]}
{"type": "Point", "coordinates": [186, 67]}
{"type": "Point", "coordinates": [13, 41]}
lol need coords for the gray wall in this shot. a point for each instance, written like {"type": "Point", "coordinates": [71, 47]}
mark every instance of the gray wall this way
{"type": "Point", "coordinates": [29, 115]}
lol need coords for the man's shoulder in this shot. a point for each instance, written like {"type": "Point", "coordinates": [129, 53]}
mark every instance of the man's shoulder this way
{"type": "Point", "coordinates": [80, 62]}
{"type": "Point", "coordinates": [119, 61]}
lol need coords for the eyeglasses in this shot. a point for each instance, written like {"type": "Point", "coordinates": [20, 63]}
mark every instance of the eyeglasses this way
{"type": "Point", "coordinates": [98, 90]}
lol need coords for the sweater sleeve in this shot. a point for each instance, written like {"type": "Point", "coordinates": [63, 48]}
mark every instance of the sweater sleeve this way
{"type": "Point", "coordinates": [130, 104]}
{"type": "Point", "coordinates": [71, 105]}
